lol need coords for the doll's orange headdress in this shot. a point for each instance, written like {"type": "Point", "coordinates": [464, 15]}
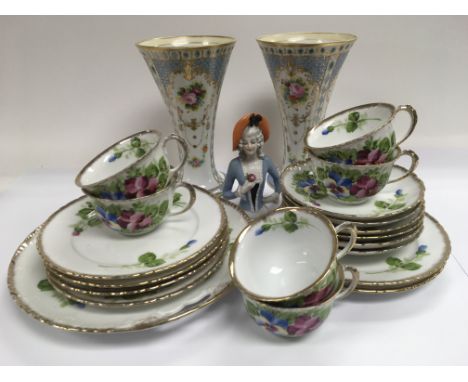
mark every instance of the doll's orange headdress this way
{"type": "Point", "coordinates": [250, 119]}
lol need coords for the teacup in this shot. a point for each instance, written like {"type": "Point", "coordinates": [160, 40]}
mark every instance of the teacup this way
{"type": "Point", "coordinates": [355, 184]}
{"type": "Point", "coordinates": [361, 135]}
{"type": "Point", "coordinates": [134, 167]}
{"type": "Point", "coordinates": [296, 322]}
{"type": "Point", "coordinates": [287, 255]}
{"type": "Point", "coordinates": [135, 217]}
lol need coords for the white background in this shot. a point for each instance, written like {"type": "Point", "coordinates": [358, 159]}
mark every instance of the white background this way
{"type": "Point", "coordinates": [70, 86]}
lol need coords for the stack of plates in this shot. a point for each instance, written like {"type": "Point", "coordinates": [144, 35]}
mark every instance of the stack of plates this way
{"type": "Point", "coordinates": [164, 275]}
{"type": "Point", "coordinates": [392, 228]}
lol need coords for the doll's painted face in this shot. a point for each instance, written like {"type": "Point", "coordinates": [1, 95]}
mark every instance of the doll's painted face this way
{"type": "Point", "coordinates": [251, 140]}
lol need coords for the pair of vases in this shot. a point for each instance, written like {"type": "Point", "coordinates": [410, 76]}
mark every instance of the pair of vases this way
{"type": "Point", "coordinates": [189, 72]}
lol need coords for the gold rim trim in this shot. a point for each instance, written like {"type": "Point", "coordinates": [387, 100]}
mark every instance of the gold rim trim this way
{"type": "Point", "coordinates": [348, 38]}
{"type": "Point", "coordinates": [137, 161]}
{"type": "Point", "coordinates": [412, 280]}
{"type": "Point", "coordinates": [243, 233]}
{"type": "Point", "coordinates": [193, 307]}
{"type": "Point", "coordinates": [403, 288]}
{"type": "Point", "coordinates": [390, 244]}
{"type": "Point", "coordinates": [393, 109]}
{"type": "Point", "coordinates": [146, 291]}
{"type": "Point", "coordinates": [187, 260]}
{"type": "Point", "coordinates": [300, 166]}
{"type": "Point", "coordinates": [139, 303]}
{"type": "Point", "coordinates": [230, 41]}
{"type": "Point", "coordinates": [147, 282]}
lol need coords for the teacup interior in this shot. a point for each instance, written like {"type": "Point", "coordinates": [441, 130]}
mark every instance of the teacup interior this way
{"type": "Point", "coordinates": [277, 263]}
{"type": "Point", "coordinates": [349, 125]}
{"type": "Point", "coordinates": [178, 42]}
{"type": "Point", "coordinates": [119, 157]}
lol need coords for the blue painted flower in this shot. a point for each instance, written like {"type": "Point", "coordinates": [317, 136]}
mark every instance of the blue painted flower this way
{"type": "Point", "coordinates": [399, 192]}
{"type": "Point", "coordinates": [338, 186]}
{"type": "Point", "coordinates": [112, 158]}
{"type": "Point", "coordinates": [306, 183]}
{"type": "Point", "coordinates": [105, 214]}
{"type": "Point", "coordinates": [270, 322]}
{"type": "Point", "coordinates": [259, 231]}
{"type": "Point", "coordinates": [188, 244]}
{"type": "Point", "coordinates": [325, 132]}
{"type": "Point", "coordinates": [422, 248]}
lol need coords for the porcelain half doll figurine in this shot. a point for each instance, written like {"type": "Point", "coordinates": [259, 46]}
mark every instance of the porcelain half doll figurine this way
{"type": "Point", "coordinates": [251, 168]}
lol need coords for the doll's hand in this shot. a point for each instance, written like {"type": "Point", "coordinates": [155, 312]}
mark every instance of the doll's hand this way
{"type": "Point", "coordinates": [246, 187]}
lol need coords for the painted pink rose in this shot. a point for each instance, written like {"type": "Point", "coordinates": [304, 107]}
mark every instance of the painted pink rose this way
{"type": "Point", "coordinates": [303, 324]}
{"type": "Point", "coordinates": [140, 186]}
{"type": "Point", "coordinates": [370, 157]}
{"type": "Point", "coordinates": [190, 98]}
{"type": "Point", "coordinates": [365, 186]}
{"type": "Point", "coordinates": [134, 220]}
{"type": "Point", "coordinates": [296, 91]}
{"type": "Point", "coordinates": [317, 297]}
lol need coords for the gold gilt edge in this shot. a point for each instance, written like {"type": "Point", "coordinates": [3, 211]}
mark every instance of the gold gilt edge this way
{"type": "Point", "coordinates": [414, 280]}
{"type": "Point", "coordinates": [71, 328]}
{"type": "Point", "coordinates": [401, 289]}
{"type": "Point", "coordinates": [159, 270]}
{"type": "Point", "coordinates": [388, 244]}
{"type": "Point", "coordinates": [229, 41]}
{"type": "Point", "coordinates": [145, 282]}
{"type": "Point", "coordinates": [296, 166]}
{"type": "Point", "coordinates": [93, 301]}
{"type": "Point", "coordinates": [155, 288]}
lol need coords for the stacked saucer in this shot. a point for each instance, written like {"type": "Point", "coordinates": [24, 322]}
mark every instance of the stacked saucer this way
{"type": "Point", "coordinates": [97, 266]}
{"type": "Point", "coordinates": [395, 234]}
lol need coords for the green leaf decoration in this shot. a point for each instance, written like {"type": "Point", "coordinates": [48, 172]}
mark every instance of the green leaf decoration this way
{"type": "Point", "coordinates": [84, 212]}
{"type": "Point", "coordinates": [266, 227]}
{"type": "Point", "coordinates": [381, 204]}
{"type": "Point", "coordinates": [251, 308]}
{"type": "Point", "coordinates": [385, 145]}
{"type": "Point", "coordinates": [94, 221]}
{"type": "Point", "coordinates": [151, 171]}
{"type": "Point", "coordinates": [394, 261]}
{"type": "Point", "coordinates": [177, 196]}
{"type": "Point", "coordinates": [147, 257]}
{"type": "Point", "coordinates": [290, 227]}
{"type": "Point", "coordinates": [351, 126]}
{"type": "Point", "coordinates": [411, 266]}
{"type": "Point", "coordinates": [135, 142]}
{"type": "Point", "coordinates": [154, 263]}
{"type": "Point", "coordinates": [45, 285]}
{"type": "Point", "coordinates": [396, 206]}
{"type": "Point", "coordinates": [393, 139]}
{"type": "Point", "coordinates": [140, 152]}
{"type": "Point", "coordinates": [163, 167]}
{"type": "Point", "coordinates": [162, 179]}
{"type": "Point", "coordinates": [290, 217]}
{"type": "Point", "coordinates": [117, 154]}
{"type": "Point", "coordinates": [354, 116]}
{"type": "Point", "coordinates": [163, 208]}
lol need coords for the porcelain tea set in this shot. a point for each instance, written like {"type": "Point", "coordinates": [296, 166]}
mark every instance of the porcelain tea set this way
{"type": "Point", "coordinates": [152, 241]}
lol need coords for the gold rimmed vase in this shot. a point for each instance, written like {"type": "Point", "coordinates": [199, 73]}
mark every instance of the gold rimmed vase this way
{"type": "Point", "coordinates": [303, 67]}
{"type": "Point", "coordinates": [189, 72]}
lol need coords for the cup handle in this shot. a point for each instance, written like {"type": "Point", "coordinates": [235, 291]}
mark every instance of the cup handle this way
{"type": "Point", "coordinates": [414, 120]}
{"type": "Point", "coordinates": [183, 145]}
{"type": "Point", "coordinates": [414, 163]}
{"type": "Point", "coordinates": [346, 291]}
{"type": "Point", "coordinates": [351, 227]}
{"type": "Point", "coordinates": [193, 197]}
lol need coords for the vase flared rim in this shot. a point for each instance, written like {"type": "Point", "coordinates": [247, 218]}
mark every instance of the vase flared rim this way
{"type": "Point", "coordinates": [186, 42]}
{"type": "Point", "coordinates": [296, 39]}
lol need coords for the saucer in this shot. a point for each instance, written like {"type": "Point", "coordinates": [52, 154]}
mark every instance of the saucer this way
{"type": "Point", "coordinates": [29, 288]}
{"type": "Point", "coordinates": [407, 267]}
{"type": "Point", "coordinates": [97, 253]}
{"type": "Point", "coordinates": [299, 185]}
